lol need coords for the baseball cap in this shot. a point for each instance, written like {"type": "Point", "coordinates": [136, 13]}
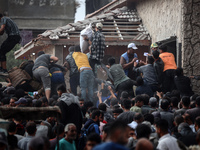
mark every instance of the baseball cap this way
{"type": "Point", "coordinates": [132, 45]}
{"type": "Point", "coordinates": [21, 100]}
{"type": "Point", "coordinates": [154, 45]}
{"type": "Point", "coordinates": [99, 25]}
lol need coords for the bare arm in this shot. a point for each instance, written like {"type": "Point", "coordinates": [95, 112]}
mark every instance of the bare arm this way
{"type": "Point", "coordinates": [111, 91]}
{"type": "Point", "coordinates": [127, 65]}
{"type": "Point", "coordinates": [55, 59]}
{"type": "Point", "coordinates": [2, 29]}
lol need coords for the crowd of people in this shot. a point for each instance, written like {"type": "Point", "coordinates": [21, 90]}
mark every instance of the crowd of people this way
{"type": "Point", "coordinates": [142, 106]}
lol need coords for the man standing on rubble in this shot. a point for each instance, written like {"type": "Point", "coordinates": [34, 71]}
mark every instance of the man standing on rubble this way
{"type": "Point", "coordinates": [41, 70]}
{"type": "Point", "coordinates": [98, 46]}
{"type": "Point", "coordinates": [13, 38]}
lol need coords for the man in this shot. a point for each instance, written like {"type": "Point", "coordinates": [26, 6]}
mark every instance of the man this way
{"type": "Point", "coordinates": [169, 67]}
{"type": "Point", "coordinates": [159, 66]}
{"type": "Point", "coordinates": [182, 83]}
{"type": "Point", "coordinates": [92, 125]}
{"type": "Point", "coordinates": [68, 143]}
{"type": "Point", "coordinates": [74, 73]}
{"type": "Point", "coordinates": [41, 70]}
{"type": "Point", "coordinates": [128, 59]}
{"type": "Point", "coordinates": [139, 102]}
{"type": "Point", "coordinates": [70, 109]}
{"type": "Point", "coordinates": [185, 102]}
{"type": "Point", "coordinates": [98, 47]}
{"type": "Point", "coordinates": [31, 130]}
{"type": "Point", "coordinates": [13, 38]}
{"type": "Point", "coordinates": [12, 101]}
{"type": "Point", "coordinates": [154, 47]}
{"type": "Point", "coordinates": [86, 74]}
{"type": "Point", "coordinates": [149, 74]}
{"type": "Point", "coordinates": [165, 142]}
{"type": "Point", "coordinates": [144, 143]}
{"type": "Point", "coordinates": [194, 112]}
{"type": "Point", "coordinates": [165, 114]}
{"type": "Point", "coordinates": [121, 81]}
{"type": "Point", "coordinates": [117, 137]}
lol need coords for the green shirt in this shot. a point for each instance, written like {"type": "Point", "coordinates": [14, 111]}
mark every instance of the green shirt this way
{"type": "Point", "coordinates": [136, 109]}
{"type": "Point", "coordinates": [65, 145]}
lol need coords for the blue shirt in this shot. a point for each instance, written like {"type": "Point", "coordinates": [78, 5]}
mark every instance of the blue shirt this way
{"type": "Point", "coordinates": [110, 146]}
{"type": "Point", "coordinates": [125, 56]}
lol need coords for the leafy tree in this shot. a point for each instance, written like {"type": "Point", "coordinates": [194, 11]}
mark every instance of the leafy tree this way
{"type": "Point", "coordinates": [11, 61]}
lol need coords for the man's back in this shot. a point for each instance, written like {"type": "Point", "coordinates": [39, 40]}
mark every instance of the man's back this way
{"type": "Point", "coordinates": [159, 67]}
{"type": "Point", "coordinates": [42, 60]}
{"type": "Point", "coordinates": [167, 142]}
{"type": "Point", "coordinates": [10, 28]}
{"type": "Point", "coordinates": [168, 60]}
{"type": "Point", "coordinates": [118, 74]}
{"type": "Point", "coordinates": [149, 74]}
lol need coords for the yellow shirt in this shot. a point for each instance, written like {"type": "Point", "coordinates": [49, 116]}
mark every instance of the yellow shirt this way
{"type": "Point", "coordinates": [168, 60]}
{"type": "Point", "coordinates": [81, 60]}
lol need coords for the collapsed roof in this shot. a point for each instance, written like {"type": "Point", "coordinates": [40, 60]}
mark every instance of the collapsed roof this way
{"type": "Point", "coordinates": [120, 27]}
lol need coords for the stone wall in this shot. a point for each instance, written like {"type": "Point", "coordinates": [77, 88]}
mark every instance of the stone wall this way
{"type": "Point", "coordinates": [162, 18]}
{"type": "Point", "coordinates": [191, 42]}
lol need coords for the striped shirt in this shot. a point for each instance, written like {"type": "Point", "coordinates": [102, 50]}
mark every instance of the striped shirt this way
{"type": "Point", "coordinates": [98, 46]}
{"type": "Point", "coordinates": [10, 28]}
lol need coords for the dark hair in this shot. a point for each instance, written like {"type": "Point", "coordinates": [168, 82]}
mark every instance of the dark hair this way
{"type": "Point", "coordinates": [30, 128]}
{"type": "Point", "coordinates": [102, 106]}
{"type": "Point", "coordinates": [38, 103]}
{"type": "Point", "coordinates": [58, 129]}
{"type": "Point", "coordinates": [149, 118]}
{"type": "Point", "coordinates": [1, 15]}
{"type": "Point", "coordinates": [94, 137]}
{"type": "Point", "coordinates": [113, 101]}
{"type": "Point", "coordinates": [138, 116]}
{"type": "Point", "coordinates": [164, 104]}
{"type": "Point", "coordinates": [111, 61]}
{"type": "Point", "coordinates": [118, 110]}
{"type": "Point", "coordinates": [197, 121]}
{"type": "Point", "coordinates": [156, 54]}
{"type": "Point", "coordinates": [178, 72]}
{"type": "Point", "coordinates": [40, 53]}
{"type": "Point", "coordinates": [19, 93]}
{"type": "Point", "coordinates": [12, 127]}
{"type": "Point", "coordinates": [95, 113]}
{"type": "Point", "coordinates": [163, 48]}
{"type": "Point", "coordinates": [88, 104]}
{"type": "Point", "coordinates": [61, 88]}
{"type": "Point", "coordinates": [139, 98]}
{"type": "Point", "coordinates": [186, 101]}
{"type": "Point", "coordinates": [124, 94]}
{"type": "Point", "coordinates": [150, 60]}
{"type": "Point", "coordinates": [162, 124]}
{"type": "Point", "coordinates": [117, 125]}
{"type": "Point", "coordinates": [139, 81]}
{"type": "Point", "coordinates": [174, 101]}
{"type": "Point", "coordinates": [198, 101]}
{"type": "Point", "coordinates": [193, 97]}
{"type": "Point", "coordinates": [80, 99]}
{"type": "Point", "coordinates": [106, 128]}
{"type": "Point", "coordinates": [77, 48]}
{"type": "Point", "coordinates": [145, 98]}
{"type": "Point", "coordinates": [143, 131]}
{"type": "Point", "coordinates": [71, 49]}
{"type": "Point", "coordinates": [44, 99]}
{"type": "Point", "coordinates": [178, 119]}
{"type": "Point", "coordinates": [126, 103]}
{"type": "Point", "coordinates": [91, 109]}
